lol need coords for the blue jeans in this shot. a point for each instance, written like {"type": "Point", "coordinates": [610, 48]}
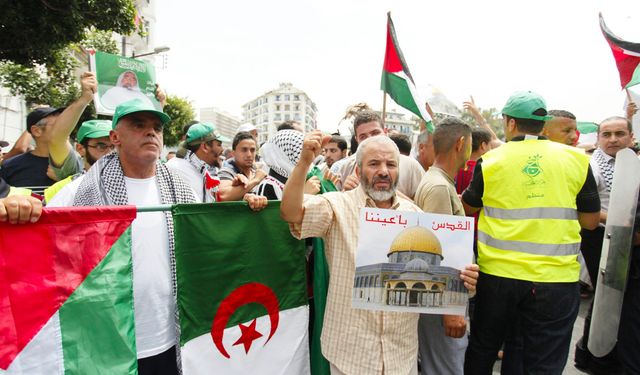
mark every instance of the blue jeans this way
{"type": "Point", "coordinates": [534, 320]}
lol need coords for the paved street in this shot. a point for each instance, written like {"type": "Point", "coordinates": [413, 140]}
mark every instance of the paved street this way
{"type": "Point", "coordinates": [577, 333]}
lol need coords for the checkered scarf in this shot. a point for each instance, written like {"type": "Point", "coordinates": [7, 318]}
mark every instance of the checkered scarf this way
{"type": "Point", "coordinates": [207, 194]}
{"type": "Point", "coordinates": [104, 185]}
{"type": "Point", "coordinates": [606, 168]}
{"type": "Point", "coordinates": [282, 152]}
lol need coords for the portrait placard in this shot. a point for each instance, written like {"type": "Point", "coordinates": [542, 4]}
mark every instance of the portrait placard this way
{"type": "Point", "coordinates": [121, 79]}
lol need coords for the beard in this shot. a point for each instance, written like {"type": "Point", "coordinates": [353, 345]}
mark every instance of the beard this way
{"type": "Point", "coordinates": [90, 158]}
{"type": "Point", "coordinates": [375, 194]}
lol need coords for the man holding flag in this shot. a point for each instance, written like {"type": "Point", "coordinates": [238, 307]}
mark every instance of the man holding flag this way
{"type": "Point", "coordinates": [134, 175]}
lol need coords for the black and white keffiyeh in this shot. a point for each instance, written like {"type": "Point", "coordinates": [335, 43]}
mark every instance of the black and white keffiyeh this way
{"type": "Point", "coordinates": [282, 152]}
{"type": "Point", "coordinates": [207, 171]}
{"type": "Point", "coordinates": [606, 166]}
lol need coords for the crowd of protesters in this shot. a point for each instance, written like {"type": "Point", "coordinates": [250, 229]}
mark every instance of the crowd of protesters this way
{"type": "Point", "coordinates": [540, 202]}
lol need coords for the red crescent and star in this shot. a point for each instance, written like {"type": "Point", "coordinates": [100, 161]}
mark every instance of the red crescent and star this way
{"type": "Point", "coordinates": [243, 295]}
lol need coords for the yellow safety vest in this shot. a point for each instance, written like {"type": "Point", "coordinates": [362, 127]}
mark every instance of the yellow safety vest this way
{"type": "Point", "coordinates": [52, 190]}
{"type": "Point", "coordinates": [528, 227]}
{"type": "Point", "coordinates": [19, 191]}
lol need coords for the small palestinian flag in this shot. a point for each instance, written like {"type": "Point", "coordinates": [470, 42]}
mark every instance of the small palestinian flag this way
{"type": "Point", "coordinates": [626, 54]}
{"type": "Point", "coordinates": [397, 80]}
{"type": "Point", "coordinates": [242, 295]}
{"type": "Point", "coordinates": [66, 293]}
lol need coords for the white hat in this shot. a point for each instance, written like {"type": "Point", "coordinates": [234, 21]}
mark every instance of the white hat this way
{"type": "Point", "coordinates": [246, 128]}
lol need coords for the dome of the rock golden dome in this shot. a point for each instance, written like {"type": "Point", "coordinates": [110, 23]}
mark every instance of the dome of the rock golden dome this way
{"type": "Point", "coordinates": [416, 239]}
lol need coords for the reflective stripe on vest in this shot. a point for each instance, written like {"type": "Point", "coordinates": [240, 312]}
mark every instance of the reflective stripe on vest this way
{"type": "Point", "coordinates": [530, 247]}
{"type": "Point", "coordinates": [531, 213]}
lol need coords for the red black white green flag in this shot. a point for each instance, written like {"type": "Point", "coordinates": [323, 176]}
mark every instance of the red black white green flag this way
{"type": "Point", "coordinates": [397, 80]}
{"type": "Point", "coordinates": [626, 54]}
{"type": "Point", "coordinates": [242, 295]}
{"type": "Point", "coordinates": [66, 293]}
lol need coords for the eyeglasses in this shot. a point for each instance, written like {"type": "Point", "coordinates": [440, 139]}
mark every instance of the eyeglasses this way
{"type": "Point", "coordinates": [101, 146]}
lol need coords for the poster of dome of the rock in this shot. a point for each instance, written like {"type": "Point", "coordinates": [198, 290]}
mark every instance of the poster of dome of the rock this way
{"type": "Point", "coordinates": [411, 262]}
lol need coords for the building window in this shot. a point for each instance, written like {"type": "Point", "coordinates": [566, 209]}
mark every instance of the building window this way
{"type": "Point", "coordinates": [287, 107]}
{"type": "Point", "coordinates": [277, 107]}
{"type": "Point", "coordinates": [287, 117]}
{"type": "Point", "coordinates": [277, 98]}
{"type": "Point", "coordinates": [287, 98]}
{"type": "Point", "coordinates": [296, 97]}
{"type": "Point", "coordinates": [297, 107]}
{"type": "Point", "coordinates": [277, 117]}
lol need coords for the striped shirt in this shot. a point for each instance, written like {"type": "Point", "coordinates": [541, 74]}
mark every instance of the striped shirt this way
{"type": "Point", "coordinates": [356, 341]}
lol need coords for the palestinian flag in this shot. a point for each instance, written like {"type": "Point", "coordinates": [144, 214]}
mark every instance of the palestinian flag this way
{"type": "Point", "coordinates": [242, 295]}
{"type": "Point", "coordinates": [396, 78]}
{"type": "Point", "coordinates": [626, 54]}
{"type": "Point", "coordinates": [66, 294]}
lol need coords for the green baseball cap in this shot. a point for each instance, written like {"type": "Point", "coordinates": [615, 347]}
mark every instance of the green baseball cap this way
{"type": "Point", "coordinates": [93, 129]}
{"type": "Point", "coordinates": [135, 106]}
{"type": "Point", "coordinates": [526, 105]}
{"type": "Point", "coordinates": [203, 132]}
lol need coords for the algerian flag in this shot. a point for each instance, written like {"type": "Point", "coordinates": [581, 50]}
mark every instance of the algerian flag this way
{"type": "Point", "coordinates": [241, 291]}
{"type": "Point", "coordinates": [396, 78]}
{"type": "Point", "coordinates": [66, 293]}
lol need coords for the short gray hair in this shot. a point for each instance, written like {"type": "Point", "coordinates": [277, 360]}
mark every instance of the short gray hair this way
{"type": "Point", "coordinates": [616, 118]}
{"type": "Point", "coordinates": [378, 139]}
{"type": "Point", "coordinates": [423, 137]}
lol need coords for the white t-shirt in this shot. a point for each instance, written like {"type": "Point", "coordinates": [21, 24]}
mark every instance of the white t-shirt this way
{"type": "Point", "coordinates": [189, 174]}
{"type": "Point", "coordinates": [154, 306]}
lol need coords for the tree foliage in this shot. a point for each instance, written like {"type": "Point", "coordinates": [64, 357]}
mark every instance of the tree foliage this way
{"type": "Point", "coordinates": [35, 31]}
{"type": "Point", "coordinates": [181, 112]}
{"type": "Point", "coordinates": [54, 83]}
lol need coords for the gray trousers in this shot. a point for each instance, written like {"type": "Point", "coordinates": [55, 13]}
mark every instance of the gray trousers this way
{"type": "Point", "coordinates": [439, 354]}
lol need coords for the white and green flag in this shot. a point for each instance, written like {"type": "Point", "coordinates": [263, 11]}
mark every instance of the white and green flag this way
{"type": "Point", "coordinates": [241, 291]}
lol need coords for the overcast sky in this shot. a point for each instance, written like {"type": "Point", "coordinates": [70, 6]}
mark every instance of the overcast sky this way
{"type": "Point", "coordinates": [225, 54]}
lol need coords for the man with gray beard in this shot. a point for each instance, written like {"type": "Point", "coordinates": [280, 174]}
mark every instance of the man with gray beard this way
{"type": "Point", "coordinates": [355, 341]}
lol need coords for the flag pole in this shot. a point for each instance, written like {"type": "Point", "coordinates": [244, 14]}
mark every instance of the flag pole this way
{"type": "Point", "coordinates": [168, 207]}
{"type": "Point", "coordinates": [384, 107]}
{"type": "Point", "coordinates": [158, 208]}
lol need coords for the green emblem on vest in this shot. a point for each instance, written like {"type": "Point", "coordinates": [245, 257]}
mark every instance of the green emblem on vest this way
{"type": "Point", "coordinates": [533, 169]}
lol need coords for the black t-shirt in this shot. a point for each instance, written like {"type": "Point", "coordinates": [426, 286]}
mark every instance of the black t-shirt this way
{"type": "Point", "coordinates": [26, 170]}
{"type": "Point", "coordinates": [587, 199]}
{"type": "Point", "coordinates": [4, 189]}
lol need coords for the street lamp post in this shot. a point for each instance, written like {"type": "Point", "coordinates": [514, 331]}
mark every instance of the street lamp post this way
{"type": "Point", "coordinates": [155, 51]}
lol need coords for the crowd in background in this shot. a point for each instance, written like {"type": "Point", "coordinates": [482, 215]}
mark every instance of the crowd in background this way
{"type": "Point", "coordinates": [521, 314]}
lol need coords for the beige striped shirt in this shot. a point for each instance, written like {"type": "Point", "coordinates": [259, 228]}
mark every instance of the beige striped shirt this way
{"type": "Point", "coordinates": [356, 341]}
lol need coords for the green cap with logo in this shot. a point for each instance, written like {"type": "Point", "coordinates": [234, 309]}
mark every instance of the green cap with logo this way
{"type": "Point", "coordinates": [526, 105]}
{"type": "Point", "coordinates": [135, 106]}
{"type": "Point", "coordinates": [204, 132]}
{"type": "Point", "coordinates": [93, 129]}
